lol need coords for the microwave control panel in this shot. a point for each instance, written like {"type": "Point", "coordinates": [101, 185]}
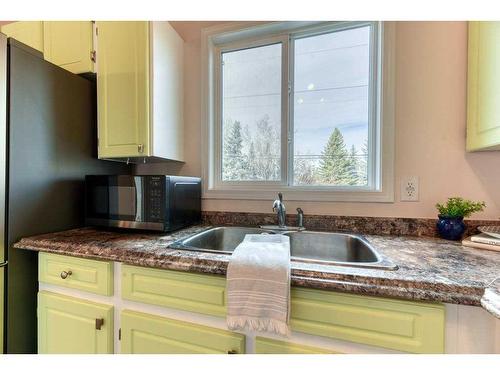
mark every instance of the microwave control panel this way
{"type": "Point", "coordinates": [156, 199]}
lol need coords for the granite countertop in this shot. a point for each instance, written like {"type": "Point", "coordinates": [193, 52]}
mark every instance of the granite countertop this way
{"type": "Point", "coordinates": [430, 269]}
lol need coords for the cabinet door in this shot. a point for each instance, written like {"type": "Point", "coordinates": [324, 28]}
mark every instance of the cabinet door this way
{"type": "Point", "coordinates": [123, 89]}
{"type": "Point", "coordinates": [151, 334]}
{"type": "Point", "coordinates": [483, 88]}
{"type": "Point", "coordinates": [68, 325]}
{"type": "Point", "coordinates": [27, 32]}
{"type": "Point", "coordinates": [69, 45]}
{"type": "Point", "coordinates": [270, 346]}
{"type": "Point", "coordinates": [414, 327]}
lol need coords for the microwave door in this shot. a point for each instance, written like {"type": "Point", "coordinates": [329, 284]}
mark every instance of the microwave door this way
{"type": "Point", "coordinates": [122, 199]}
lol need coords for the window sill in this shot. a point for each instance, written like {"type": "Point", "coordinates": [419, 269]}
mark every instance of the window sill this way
{"type": "Point", "coordinates": [304, 195]}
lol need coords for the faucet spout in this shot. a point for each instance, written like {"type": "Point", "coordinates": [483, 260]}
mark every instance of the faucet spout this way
{"type": "Point", "coordinates": [300, 217]}
{"type": "Point", "coordinates": [279, 208]}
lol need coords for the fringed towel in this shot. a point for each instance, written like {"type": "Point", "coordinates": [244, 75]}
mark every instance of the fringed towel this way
{"type": "Point", "coordinates": [258, 284]}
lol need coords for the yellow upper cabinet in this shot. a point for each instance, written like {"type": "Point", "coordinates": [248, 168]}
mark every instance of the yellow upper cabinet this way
{"type": "Point", "coordinates": [483, 87]}
{"type": "Point", "coordinates": [27, 32]}
{"type": "Point", "coordinates": [69, 44]}
{"type": "Point", "coordinates": [123, 89]}
{"type": "Point", "coordinates": [139, 91]}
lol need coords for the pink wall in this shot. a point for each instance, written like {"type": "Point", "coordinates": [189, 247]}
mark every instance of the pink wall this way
{"type": "Point", "coordinates": [431, 71]}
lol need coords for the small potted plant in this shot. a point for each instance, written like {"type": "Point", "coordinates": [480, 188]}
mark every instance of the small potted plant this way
{"type": "Point", "coordinates": [450, 224]}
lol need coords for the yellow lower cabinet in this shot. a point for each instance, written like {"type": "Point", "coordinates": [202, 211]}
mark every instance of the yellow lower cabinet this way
{"type": "Point", "coordinates": [94, 276]}
{"type": "Point", "coordinates": [414, 327]}
{"type": "Point", "coordinates": [204, 294]}
{"type": "Point", "coordinates": [150, 334]}
{"type": "Point", "coordinates": [270, 346]}
{"type": "Point", "coordinates": [68, 325]}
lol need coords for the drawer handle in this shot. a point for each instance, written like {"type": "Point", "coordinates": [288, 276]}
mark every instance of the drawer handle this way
{"type": "Point", "coordinates": [232, 351]}
{"type": "Point", "coordinates": [65, 274]}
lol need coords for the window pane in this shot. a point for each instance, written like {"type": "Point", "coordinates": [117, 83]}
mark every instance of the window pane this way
{"type": "Point", "coordinates": [331, 86]}
{"type": "Point", "coordinates": [251, 114]}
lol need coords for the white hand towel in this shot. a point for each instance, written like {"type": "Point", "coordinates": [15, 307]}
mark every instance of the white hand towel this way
{"type": "Point", "coordinates": [258, 284]}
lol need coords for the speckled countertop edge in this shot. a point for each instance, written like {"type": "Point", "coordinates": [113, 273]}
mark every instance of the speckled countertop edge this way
{"type": "Point", "coordinates": [430, 269]}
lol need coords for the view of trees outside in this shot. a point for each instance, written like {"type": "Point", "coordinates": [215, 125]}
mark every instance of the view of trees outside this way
{"type": "Point", "coordinates": [330, 115]}
{"type": "Point", "coordinates": [250, 156]}
{"type": "Point", "coordinates": [251, 114]}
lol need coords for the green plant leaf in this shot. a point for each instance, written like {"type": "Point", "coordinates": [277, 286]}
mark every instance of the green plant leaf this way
{"type": "Point", "coordinates": [459, 207]}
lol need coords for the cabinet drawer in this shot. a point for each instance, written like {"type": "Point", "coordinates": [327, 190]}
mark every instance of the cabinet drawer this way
{"type": "Point", "coordinates": [179, 290]}
{"type": "Point", "coordinates": [401, 325]}
{"type": "Point", "coordinates": [270, 346]}
{"type": "Point", "coordinates": [84, 274]}
{"type": "Point", "coordinates": [151, 334]}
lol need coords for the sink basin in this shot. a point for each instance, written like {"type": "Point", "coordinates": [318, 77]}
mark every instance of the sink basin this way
{"type": "Point", "coordinates": [220, 239]}
{"type": "Point", "coordinates": [309, 247]}
{"type": "Point", "coordinates": [337, 247]}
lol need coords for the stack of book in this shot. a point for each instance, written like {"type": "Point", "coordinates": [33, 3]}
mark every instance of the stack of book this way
{"type": "Point", "coordinates": [482, 241]}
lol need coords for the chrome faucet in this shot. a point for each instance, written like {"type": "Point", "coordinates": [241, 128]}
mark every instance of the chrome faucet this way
{"type": "Point", "coordinates": [279, 208]}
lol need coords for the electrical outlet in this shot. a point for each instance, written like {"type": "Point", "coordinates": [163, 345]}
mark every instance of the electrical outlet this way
{"type": "Point", "coordinates": [409, 189]}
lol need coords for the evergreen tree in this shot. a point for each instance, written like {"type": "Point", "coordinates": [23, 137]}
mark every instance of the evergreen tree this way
{"type": "Point", "coordinates": [353, 166]}
{"type": "Point", "coordinates": [362, 166]}
{"type": "Point", "coordinates": [335, 166]}
{"type": "Point", "coordinates": [233, 161]}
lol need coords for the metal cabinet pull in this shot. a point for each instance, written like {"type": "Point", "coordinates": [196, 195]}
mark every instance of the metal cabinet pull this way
{"type": "Point", "coordinates": [140, 148]}
{"type": "Point", "coordinates": [232, 351]}
{"type": "Point", "coordinates": [99, 323]}
{"type": "Point", "coordinates": [65, 274]}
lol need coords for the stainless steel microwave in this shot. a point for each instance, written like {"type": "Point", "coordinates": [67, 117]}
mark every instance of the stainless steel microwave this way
{"type": "Point", "coordinates": [161, 203]}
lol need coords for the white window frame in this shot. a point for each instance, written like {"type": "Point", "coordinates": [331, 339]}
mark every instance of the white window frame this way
{"type": "Point", "coordinates": [244, 35]}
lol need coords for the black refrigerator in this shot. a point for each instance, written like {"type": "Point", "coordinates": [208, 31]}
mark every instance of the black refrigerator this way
{"type": "Point", "coordinates": [47, 146]}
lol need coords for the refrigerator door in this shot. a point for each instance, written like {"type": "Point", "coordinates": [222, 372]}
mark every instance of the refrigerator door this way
{"type": "Point", "coordinates": [51, 143]}
{"type": "Point", "coordinates": [3, 137]}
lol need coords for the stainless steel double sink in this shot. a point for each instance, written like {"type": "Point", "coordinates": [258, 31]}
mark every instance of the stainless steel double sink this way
{"type": "Point", "coordinates": [340, 249]}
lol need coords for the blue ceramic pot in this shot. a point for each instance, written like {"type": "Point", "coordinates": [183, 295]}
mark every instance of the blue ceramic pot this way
{"type": "Point", "coordinates": [451, 228]}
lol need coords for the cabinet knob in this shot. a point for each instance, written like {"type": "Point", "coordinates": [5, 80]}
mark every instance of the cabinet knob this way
{"type": "Point", "coordinates": [232, 351]}
{"type": "Point", "coordinates": [65, 274]}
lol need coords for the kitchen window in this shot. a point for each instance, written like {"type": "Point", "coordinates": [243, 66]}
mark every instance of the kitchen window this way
{"type": "Point", "coordinates": [299, 110]}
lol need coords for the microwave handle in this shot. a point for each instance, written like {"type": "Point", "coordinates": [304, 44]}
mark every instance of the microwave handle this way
{"type": "Point", "coordinates": [138, 198]}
